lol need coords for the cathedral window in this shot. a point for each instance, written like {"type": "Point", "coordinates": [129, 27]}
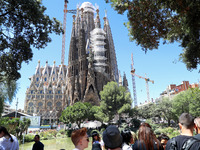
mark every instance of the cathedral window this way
{"type": "Point", "coordinates": [49, 91]}
{"type": "Point", "coordinates": [30, 104]}
{"type": "Point", "coordinates": [33, 96]}
{"type": "Point", "coordinates": [45, 72]}
{"type": "Point", "coordinates": [37, 79]}
{"type": "Point", "coordinates": [49, 104]}
{"type": "Point", "coordinates": [58, 104]}
{"type": "Point", "coordinates": [32, 91]}
{"type": "Point", "coordinates": [53, 79]}
{"type": "Point", "coordinates": [60, 96]}
{"type": "Point", "coordinates": [41, 92]}
{"type": "Point", "coordinates": [45, 79]}
{"type": "Point", "coordinates": [47, 96]}
{"type": "Point", "coordinates": [40, 104]}
{"type": "Point", "coordinates": [58, 91]}
{"type": "Point", "coordinates": [53, 72]}
{"type": "Point", "coordinates": [56, 96]}
{"type": "Point", "coordinates": [42, 96]}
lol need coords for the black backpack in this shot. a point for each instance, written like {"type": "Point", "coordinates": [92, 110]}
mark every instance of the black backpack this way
{"type": "Point", "coordinates": [186, 145]}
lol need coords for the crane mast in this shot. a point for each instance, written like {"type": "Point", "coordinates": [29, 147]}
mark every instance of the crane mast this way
{"type": "Point", "coordinates": [64, 34]}
{"type": "Point", "coordinates": [133, 83]}
{"type": "Point", "coordinates": [145, 78]}
{"type": "Point", "coordinates": [73, 11]}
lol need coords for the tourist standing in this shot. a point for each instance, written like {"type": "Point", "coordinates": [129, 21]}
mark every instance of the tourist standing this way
{"type": "Point", "coordinates": [146, 139]}
{"type": "Point", "coordinates": [38, 145]}
{"type": "Point", "coordinates": [8, 141]}
{"type": "Point", "coordinates": [186, 124]}
{"type": "Point", "coordinates": [112, 138]}
{"type": "Point", "coordinates": [197, 128]}
{"type": "Point", "coordinates": [97, 143]}
{"type": "Point", "coordinates": [163, 138]}
{"type": "Point", "coordinates": [127, 140]}
{"type": "Point", "coordinates": [80, 139]}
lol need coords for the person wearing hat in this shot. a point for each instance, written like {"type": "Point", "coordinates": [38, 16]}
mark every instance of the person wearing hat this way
{"type": "Point", "coordinates": [112, 138]}
{"type": "Point", "coordinates": [97, 144]}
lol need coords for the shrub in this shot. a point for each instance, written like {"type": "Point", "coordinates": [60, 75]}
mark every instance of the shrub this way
{"type": "Point", "coordinates": [29, 138]}
{"type": "Point", "coordinates": [69, 132]}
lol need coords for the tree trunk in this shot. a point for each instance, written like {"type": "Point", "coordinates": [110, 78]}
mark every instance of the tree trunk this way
{"type": "Point", "coordinates": [168, 122]}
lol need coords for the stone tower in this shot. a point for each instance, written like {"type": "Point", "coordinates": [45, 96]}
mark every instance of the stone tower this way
{"type": "Point", "coordinates": [92, 59]}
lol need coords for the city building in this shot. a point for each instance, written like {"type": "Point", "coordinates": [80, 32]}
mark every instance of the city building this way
{"type": "Point", "coordinates": [91, 64]}
{"type": "Point", "coordinates": [174, 89]}
{"type": "Point", "coordinates": [6, 109]}
{"type": "Point", "coordinates": [171, 91]}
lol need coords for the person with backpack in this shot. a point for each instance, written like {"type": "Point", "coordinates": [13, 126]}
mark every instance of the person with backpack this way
{"type": "Point", "coordinates": [185, 141]}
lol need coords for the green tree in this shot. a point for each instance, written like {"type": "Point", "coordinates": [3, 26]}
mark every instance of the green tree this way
{"type": "Point", "coordinates": [170, 20]}
{"type": "Point", "coordinates": [115, 100]}
{"type": "Point", "coordinates": [76, 113]}
{"type": "Point", "coordinates": [8, 91]}
{"type": "Point", "coordinates": [22, 127]}
{"type": "Point", "coordinates": [164, 109]}
{"type": "Point", "coordinates": [147, 111]}
{"type": "Point", "coordinates": [187, 101]}
{"type": "Point", "coordinates": [23, 26]}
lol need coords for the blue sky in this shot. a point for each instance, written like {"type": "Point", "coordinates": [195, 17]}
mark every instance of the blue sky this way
{"type": "Point", "coordinates": [160, 65]}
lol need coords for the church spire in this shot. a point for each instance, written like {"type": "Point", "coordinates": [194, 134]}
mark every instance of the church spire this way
{"type": "Point", "coordinates": [113, 59]}
{"type": "Point", "coordinates": [97, 20]}
{"type": "Point", "coordinates": [125, 81]}
{"type": "Point", "coordinates": [120, 79]}
{"type": "Point", "coordinates": [37, 71]}
{"type": "Point", "coordinates": [73, 28]}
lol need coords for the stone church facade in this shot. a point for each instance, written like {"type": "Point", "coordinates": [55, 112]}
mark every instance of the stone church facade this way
{"type": "Point", "coordinates": [91, 64]}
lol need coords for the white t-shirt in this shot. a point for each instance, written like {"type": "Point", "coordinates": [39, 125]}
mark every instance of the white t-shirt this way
{"type": "Point", "coordinates": [126, 147]}
{"type": "Point", "coordinates": [6, 144]}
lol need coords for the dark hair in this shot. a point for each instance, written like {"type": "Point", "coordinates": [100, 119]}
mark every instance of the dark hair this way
{"type": "Point", "coordinates": [37, 136]}
{"type": "Point", "coordinates": [163, 137]}
{"type": "Point", "coordinates": [95, 133]}
{"type": "Point", "coordinates": [126, 134]}
{"type": "Point", "coordinates": [147, 137]}
{"type": "Point", "coordinates": [5, 131]}
{"type": "Point", "coordinates": [186, 120]}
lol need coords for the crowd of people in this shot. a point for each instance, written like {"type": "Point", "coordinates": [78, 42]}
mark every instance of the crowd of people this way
{"type": "Point", "coordinates": [113, 139]}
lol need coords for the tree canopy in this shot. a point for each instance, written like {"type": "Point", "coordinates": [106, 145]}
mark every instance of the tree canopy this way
{"type": "Point", "coordinates": [23, 26]}
{"type": "Point", "coordinates": [115, 100]}
{"type": "Point", "coordinates": [78, 113]}
{"type": "Point", "coordinates": [169, 20]}
{"type": "Point", "coordinates": [187, 101]}
{"type": "Point", "coordinates": [8, 91]}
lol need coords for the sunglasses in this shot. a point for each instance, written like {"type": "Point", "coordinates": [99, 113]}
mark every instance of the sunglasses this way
{"type": "Point", "coordinates": [88, 139]}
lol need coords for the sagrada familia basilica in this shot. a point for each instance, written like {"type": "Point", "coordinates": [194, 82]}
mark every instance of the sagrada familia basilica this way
{"type": "Point", "coordinates": [91, 64]}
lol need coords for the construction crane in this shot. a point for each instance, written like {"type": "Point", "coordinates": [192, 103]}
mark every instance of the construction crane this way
{"type": "Point", "coordinates": [64, 29]}
{"type": "Point", "coordinates": [133, 82]}
{"type": "Point", "coordinates": [145, 78]}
